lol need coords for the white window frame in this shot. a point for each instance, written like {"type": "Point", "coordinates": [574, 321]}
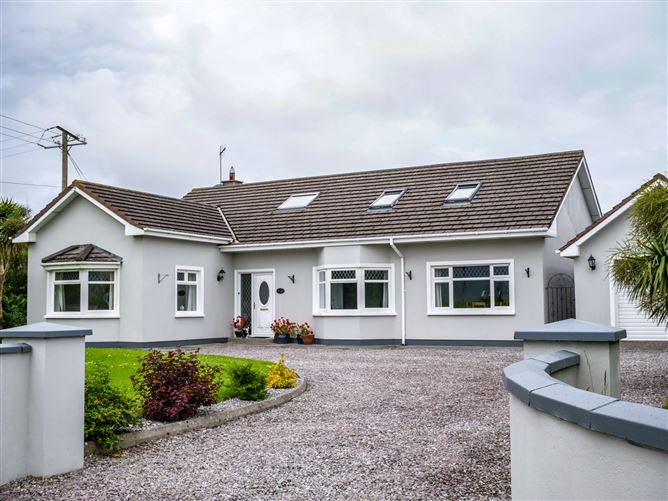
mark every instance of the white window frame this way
{"type": "Point", "coordinates": [83, 269]}
{"type": "Point", "coordinates": [313, 194]}
{"type": "Point", "coordinates": [450, 199]}
{"type": "Point", "coordinates": [374, 205]}
{"type": "Point", "coordinates": [451, 310]}
{"type": "Point", "coordinates": [199, 313]}
{"type": "Point", "coordinates": [361, 310]}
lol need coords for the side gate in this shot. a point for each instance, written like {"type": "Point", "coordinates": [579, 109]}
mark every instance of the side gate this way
{"type": "Point", "coordinates": [560, 294]}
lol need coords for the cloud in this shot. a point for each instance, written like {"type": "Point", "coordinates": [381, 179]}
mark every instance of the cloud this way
{"type": "Point", "coordinates": [305, 89]}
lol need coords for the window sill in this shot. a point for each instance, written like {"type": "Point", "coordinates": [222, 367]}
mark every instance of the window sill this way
{"type": "Point", "coordinates": [474, 312]}
{"type": "Point", "coordinates": [189, 314]}
{"type": "Point", "coordinates": [56, 316]}
{"type": "Point", "coordinates": [354, 313]}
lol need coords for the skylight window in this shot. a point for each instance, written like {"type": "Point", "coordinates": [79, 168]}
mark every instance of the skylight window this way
{"type": "Point", "coordinates": [387, 199]}
{"type": "Point", "coordinates": [463, 193]}
{"type": "Point", "coordinates": [298, 201]}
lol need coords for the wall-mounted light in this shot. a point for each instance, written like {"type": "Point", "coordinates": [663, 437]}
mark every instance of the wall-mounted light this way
{"type": "Point", "coordinates": [528, 272]}
{"type": "Point", "coordinates": [592, 262]}
{"type": "Point", "coordinates": [292, 278]}
{"type": "Point", "coordinates": [409, 274]}
{"type": "Point", "coordinates": [221, 275]}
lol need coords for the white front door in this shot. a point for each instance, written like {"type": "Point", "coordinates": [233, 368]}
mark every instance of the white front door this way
{"type": "Point", "coordinates": [263, 303]}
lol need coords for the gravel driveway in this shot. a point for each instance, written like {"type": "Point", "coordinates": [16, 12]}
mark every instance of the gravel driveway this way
{"type": "Point", "coordinates": [384, 423]}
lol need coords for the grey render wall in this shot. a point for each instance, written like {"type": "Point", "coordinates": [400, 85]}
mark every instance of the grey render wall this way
{"type": "Point", "coordinates": [146, 307]}
{"type": "Point", "coordinates": [592, 288]}
{"type": "Point", "coordinates": [79, 223]}
{"type": "Point", "coordinates": [362, 328]}
{"type": "Point", "coordinates": [162, 255]}
{"type": "Point", "coordinates": [572, 218]}
{"type": "Point", "coordinates": [529, 305]}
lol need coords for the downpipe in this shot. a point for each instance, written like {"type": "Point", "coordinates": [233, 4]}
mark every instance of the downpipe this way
{"type": "Point", "coordinates": [403, 291]}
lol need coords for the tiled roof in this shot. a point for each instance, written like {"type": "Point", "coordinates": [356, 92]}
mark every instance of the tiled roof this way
{"type": "Point", "coordinates": [84, 253]}
{"type": "Point", "coordinates": [613, 211]}
{"type": "Point", "coordinates": [146, 210]}
{"type": "Point", "coordinates": [516, 193]}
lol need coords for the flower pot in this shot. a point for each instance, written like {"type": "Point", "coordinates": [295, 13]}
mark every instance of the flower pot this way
{"type": "Point", "coordinates": [300, 340]}
{"type": "Point", "coordinates": [239, 333]}
{"type": "Point", "coordinates": [308, 338]}
{"type": "Point", "coordinates": [281, 339]}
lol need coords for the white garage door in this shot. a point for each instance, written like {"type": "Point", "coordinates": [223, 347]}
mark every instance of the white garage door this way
{"type": "Point", "coordinates": [636, 323]}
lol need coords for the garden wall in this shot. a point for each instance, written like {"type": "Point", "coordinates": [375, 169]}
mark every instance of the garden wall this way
{"type": "Point", "coordinates": [569, 443]}
{"type": "Point", "coordinates": [41, 400]}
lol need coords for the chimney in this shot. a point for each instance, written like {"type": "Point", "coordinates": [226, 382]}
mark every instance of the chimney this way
{"type": "Point", "coordinates": [232, 179]}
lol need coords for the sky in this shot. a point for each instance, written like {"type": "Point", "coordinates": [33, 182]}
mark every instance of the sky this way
{"type": "Point", "coordinates": [298, 89]}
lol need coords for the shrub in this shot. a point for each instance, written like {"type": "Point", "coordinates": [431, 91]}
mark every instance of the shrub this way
{"type": "Point", "coordinates": [173, 385]}
{"type": "Point", "coordinates": [280, 376]}
{"type": "Point", "coordinates": [665, 403]}
{"type": "Point", "coordinates": [246, 383]}
{"type": "Point", "coordinates": [107, 410]}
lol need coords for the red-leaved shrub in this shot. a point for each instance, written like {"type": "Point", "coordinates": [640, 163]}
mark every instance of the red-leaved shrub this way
{"type": "Point", "coordinates": [174, 384]}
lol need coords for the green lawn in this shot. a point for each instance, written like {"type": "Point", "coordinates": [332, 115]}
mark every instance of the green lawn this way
{"type": "Point", "coordinates": [122, 363]}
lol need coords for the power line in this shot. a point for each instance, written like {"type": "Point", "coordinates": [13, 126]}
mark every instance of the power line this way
{"type": "Point", "coordinates": [22, 139]}
{"type": "Point", "coordinates": [30, 184]}
{"type": "Point", "coordinates": [23, 133]}
{"type": "Point", "coordinates": [76, 166]}
{"type": "Point", "coordinates": [22, 122]}
{"type": "Point", "coordinates": [20, 153]}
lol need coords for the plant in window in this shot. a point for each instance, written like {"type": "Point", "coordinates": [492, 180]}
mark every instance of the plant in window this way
{"type": "Point", "coordinates": [240, 325]}
{"type": "Point", "coordinates": [175, 384]}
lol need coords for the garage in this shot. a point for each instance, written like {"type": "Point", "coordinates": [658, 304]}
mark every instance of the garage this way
{"type": "Point", "coordinates": [638, 326]}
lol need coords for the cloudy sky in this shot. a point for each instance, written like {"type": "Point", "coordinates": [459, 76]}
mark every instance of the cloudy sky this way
{"type": "Point", "coordinates": [304, 89]}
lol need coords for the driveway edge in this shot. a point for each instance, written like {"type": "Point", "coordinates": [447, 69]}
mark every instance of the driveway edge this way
{"type": "Point", "coordinates": [212, 420]}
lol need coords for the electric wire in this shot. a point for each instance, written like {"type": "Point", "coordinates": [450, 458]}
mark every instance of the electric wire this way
{"type": "Point", "coordinates": [22, 122]}
{"type": "Point", "coordinates": [20, 153]}
{"type": "Point", "coordinates": [30, 184]}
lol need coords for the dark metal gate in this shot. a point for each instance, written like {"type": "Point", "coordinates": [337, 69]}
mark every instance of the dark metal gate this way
{"type": "Point", "coordinates": [560, 297]}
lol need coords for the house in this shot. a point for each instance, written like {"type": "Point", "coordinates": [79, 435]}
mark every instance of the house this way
{"type": "Point", "coordinates": [597, 300]}
{"type": "Point", "coordinates": [457, 253]}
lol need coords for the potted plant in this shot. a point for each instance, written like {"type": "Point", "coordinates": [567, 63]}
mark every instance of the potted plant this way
{"type": "Point", "coordinates": [240, 326]}
{"type": "Point", "coordinates": [305, 333]}
{"type": "Point", "coordinates": [283, 329]}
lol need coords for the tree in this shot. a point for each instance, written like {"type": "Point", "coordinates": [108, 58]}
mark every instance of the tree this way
{"type": "Point", "coordinates": [639, 266]}
{"type": "Point", "coordinates": [13, 217]}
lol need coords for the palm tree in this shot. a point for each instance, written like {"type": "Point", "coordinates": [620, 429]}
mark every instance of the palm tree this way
{"type": "Point", "coordinates": [13, 217]}
{"type": "Point", "coordinates": [639, 266]}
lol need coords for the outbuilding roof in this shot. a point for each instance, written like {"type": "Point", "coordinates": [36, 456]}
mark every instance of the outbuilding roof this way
{"type": "Point", "coordinates": [614, 212]}
{"type": "Point", "coordinates": [82, 253]}
{"type": "Point", "coordinates": [520, 193]}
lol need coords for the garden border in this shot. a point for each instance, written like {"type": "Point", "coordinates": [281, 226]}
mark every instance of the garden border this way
{"type": "Point", "coordinates": [212, 420]}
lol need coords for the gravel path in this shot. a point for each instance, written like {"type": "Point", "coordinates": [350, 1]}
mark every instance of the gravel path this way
{"type": "Point", "coordinates": [388, 423]}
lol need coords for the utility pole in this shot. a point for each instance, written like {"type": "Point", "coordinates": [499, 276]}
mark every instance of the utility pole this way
{"type": "Point", "coordinates": [65, 146]}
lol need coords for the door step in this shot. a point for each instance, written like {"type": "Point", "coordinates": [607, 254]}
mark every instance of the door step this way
{"type": "Point", "coordinates": [252, 340]}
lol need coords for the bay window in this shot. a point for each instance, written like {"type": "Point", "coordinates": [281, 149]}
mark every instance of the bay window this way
{"type": "Point", "coordinates": [470, 288]}
{"type": "Point", "coordinates": [82, 292]}
{"type": "Point", "coordinates": [353, 290]}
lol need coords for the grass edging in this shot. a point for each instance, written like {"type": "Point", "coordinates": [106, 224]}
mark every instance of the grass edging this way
{"type": "Point", "coordinates": [212, 420]}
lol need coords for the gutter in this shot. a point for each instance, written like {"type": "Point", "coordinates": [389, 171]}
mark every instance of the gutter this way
{"type": "Point", "coordinates": [403, 291]}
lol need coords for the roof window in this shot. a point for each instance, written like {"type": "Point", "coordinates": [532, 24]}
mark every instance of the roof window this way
{"type": "Point", "coordinates": [463, 193]}
{"type": "Point", "coordinates": [298, 201]}
{"type": "Point", "coordinates": [387, 199]}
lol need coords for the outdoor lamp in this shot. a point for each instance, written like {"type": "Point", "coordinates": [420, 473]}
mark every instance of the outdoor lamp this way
{"type": "Point", "coordinates": [592, 262]}
{"type": "Point", "coordinates": [221, 275]}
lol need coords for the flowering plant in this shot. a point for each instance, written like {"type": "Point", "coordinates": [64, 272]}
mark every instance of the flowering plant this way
{"type": "Point", "coordinates": [240, 323]}
{"type": "Point", "coordinates": [304, 329]}
{"type": "Point", "coordinates": [283, 326]}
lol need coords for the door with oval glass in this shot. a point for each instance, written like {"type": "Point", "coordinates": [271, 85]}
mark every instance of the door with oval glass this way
{"type": "Point", "coordinates": [263, 303]}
